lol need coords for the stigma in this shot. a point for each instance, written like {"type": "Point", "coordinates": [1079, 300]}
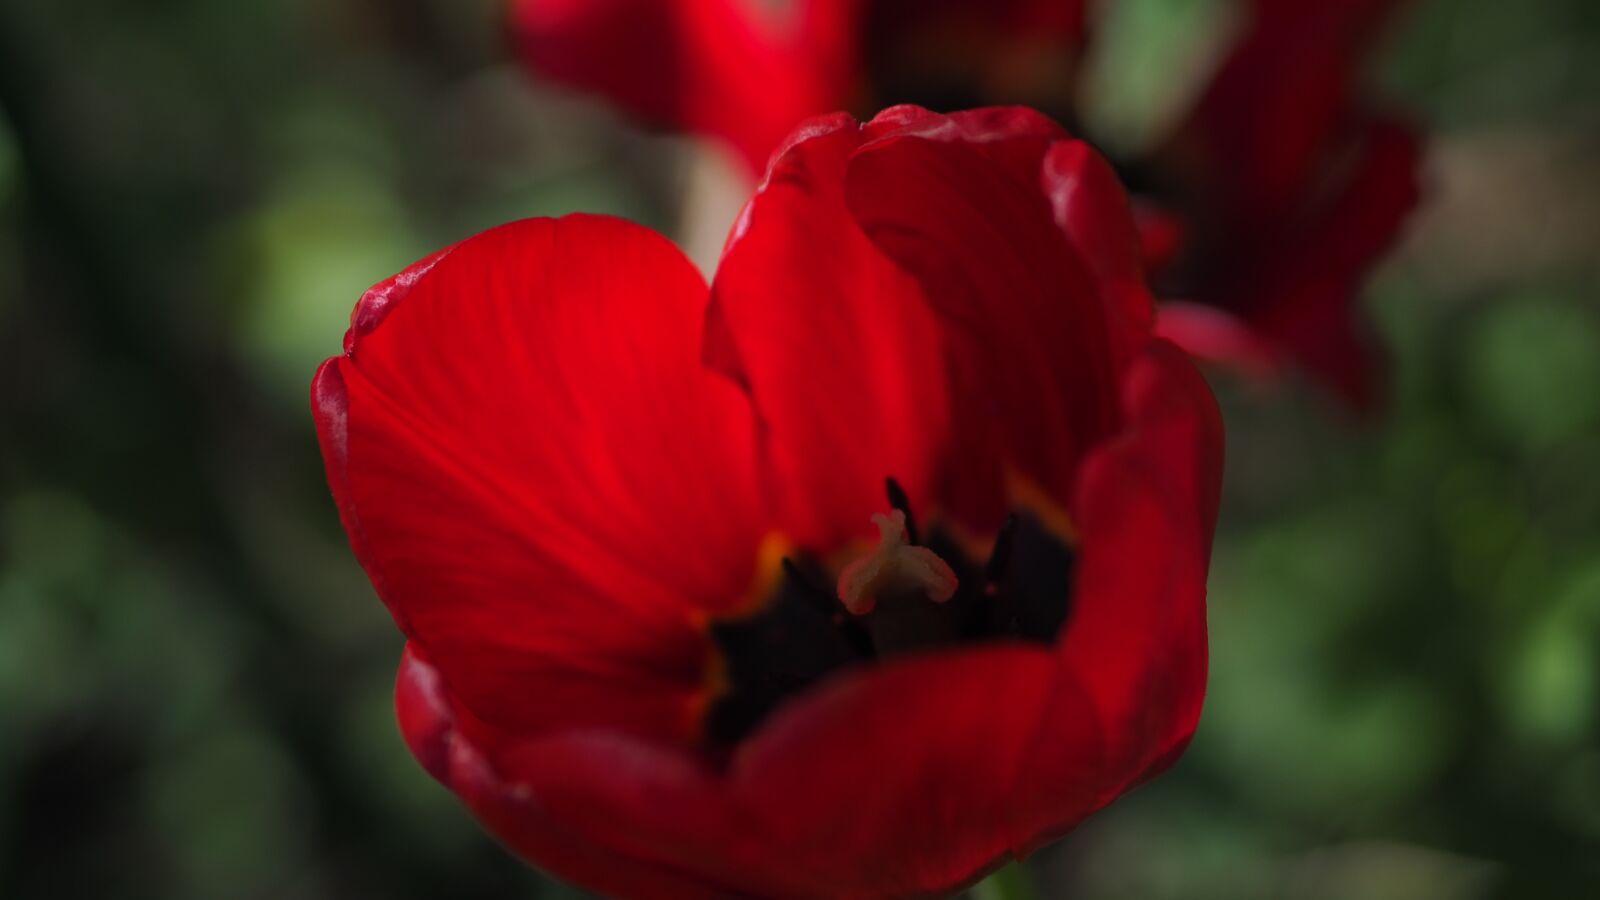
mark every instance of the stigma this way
{"type": "Point", "coordinates": [895, 568]}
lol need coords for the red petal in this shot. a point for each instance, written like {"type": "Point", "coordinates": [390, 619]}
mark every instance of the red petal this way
{"type": "Point", "coordinates": [328, 393]}
{"type": "Point", "coordinates": [1162, 235]}
{"type": "Point", "coordinates": [1305, 294]}
{"type": "Point", "coordinates": [898, 782]}
{"type": "Point", "coordinates": [1134, 645]}
{"type": "Point", "coordinates": [1217, 336]}
{"type": "Point", "coordinates": [1016, 137]}
{"type": "Point", "coordinates": [543, 482]}
{"type": "Point", "coordinates": [1093, 211]}
{"type": "Point", "coordinates": [741, 71]}
{"type": "Point", "coordinates": [439, 732]}
{"type": "Point", "coordinates": [842, 357]}
{"type": "Point", "coordinates": [964, 203]}
{"type": "Point", "coordinates": [892, 782]}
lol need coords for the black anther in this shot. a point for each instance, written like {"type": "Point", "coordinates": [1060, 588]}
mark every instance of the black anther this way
{"type": "Point", "coordinates": [813, 593]}
{"type": "Point", "coordinates": [1000, 557]}
{"type": "Point", "coordinates": [899, 500]}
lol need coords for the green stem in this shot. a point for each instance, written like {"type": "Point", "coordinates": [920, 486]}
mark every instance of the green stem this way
{"type": "Point", "coordinates": [1010, 883]}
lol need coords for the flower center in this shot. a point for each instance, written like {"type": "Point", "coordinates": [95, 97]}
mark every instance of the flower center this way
{"type": "Point", "coordinates": [906, 595]}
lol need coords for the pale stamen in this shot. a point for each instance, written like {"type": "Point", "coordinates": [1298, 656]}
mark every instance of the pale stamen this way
{"type": "Point", "coordinates": [895, 566]}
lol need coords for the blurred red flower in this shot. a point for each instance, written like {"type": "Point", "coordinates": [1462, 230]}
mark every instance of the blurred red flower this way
{"type": "Point", "coordinates": [1263, 211]}
{"type": "Point", "coordinates": [607, 507]}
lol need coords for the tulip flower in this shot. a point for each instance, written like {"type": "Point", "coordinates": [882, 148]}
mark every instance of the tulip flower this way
{"type": "Point", "coordinates": [1262, 211]}
{"type": "Point", "coordinates": [872, 565]}
{"type": "Point", "coordinates": [1289, 188]}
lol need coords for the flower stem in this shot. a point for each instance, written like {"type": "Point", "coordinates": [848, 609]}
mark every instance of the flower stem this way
{"type": "Point", "coordinates": [1010, 883]}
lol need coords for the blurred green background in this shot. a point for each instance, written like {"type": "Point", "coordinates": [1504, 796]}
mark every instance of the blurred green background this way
{"type": "Point", "coordinates": [195, 676]}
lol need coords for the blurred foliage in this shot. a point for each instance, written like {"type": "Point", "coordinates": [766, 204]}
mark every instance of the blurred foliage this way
{"type": "Point", "coordinates": [195, 678]}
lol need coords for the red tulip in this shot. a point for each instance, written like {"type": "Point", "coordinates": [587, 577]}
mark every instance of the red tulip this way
{"type": "Point", "coordinates": [746, 71]}
{"type": "Point", "coordinates": [1272, 200]}
{"type": "Point", "coordinates": [1293, 186]}
{"type": "Point", "coordinates": [625, 521]}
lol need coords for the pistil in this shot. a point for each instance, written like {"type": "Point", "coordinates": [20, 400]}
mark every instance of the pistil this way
{"type": "Point", "coordinates": [896, 568]}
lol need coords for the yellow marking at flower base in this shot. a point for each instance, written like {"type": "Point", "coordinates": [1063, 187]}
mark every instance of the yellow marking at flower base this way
{"type": "Point", "coordinates": [766, 578]}
{"type": "Point", "coordinates": [973, 545]}
{"type": "Point", "coordinates": [713, 685]}
{"type": "Point", "coordinates": [1024, 492]}
{"type": "Point", "coordinates": [774, 549]}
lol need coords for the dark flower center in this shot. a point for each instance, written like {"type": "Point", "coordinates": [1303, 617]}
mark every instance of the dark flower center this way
{"type": "Point", "coordinates": [804, 632]}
